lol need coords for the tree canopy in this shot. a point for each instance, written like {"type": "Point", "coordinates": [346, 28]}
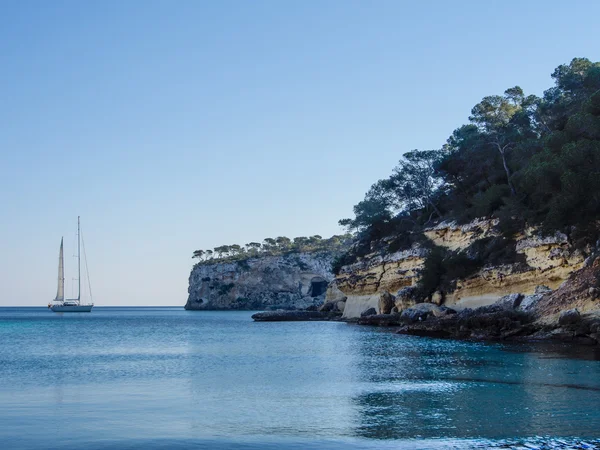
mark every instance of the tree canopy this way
{"type": "Point", "coordinates": [271, 247]}
{"type": "Point", "coordinates": [520, 158]}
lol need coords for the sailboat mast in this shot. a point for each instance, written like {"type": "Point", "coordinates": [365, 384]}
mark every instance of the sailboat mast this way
{"type": "Point", "coordinates": [78, 262]}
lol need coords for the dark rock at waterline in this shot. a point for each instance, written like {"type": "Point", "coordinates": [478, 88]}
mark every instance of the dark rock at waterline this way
{"type": "Point", "coordinates": [491, 322]}
{"type": "Point", "coordinates": [327, 307]}
{"type": "Point", "coordinates": [569, 317]}
{"type": "Point", "coordinates": [368, 312]}
{"type": "Point", "coordinates": [421, 311]}
{"type": "Point", "coordinates": [383, 320]}
{"type": "Point", "coordinates": [292, 316]}
{"type": "Point", "coordinates": [418, 312]}
{"type": "Point", "coordinates": [412, 315]}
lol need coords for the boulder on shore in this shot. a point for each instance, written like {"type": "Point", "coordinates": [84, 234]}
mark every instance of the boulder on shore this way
{"type": "Point", "coordinates": [437, 297]}
{"type": "Point", "coordinates": [386, 302]}
{"type": "Point", "coordinates": [368, 312]}
{"type": "Point", "coordinates": [421, 311]}
{"type": "Point", "coordinates": [406, 297]}
{"type": "Point", "coordinates": [510, 301]}
{"type": "Point", "coordinates": [569, 317]}
{"type": "Point", "coordinates": [529, 301]}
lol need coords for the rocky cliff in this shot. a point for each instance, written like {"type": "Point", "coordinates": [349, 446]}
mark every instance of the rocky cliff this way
{"type": "Point", "coordinates": [538, 260]}
{"type": "Point", "coordinates": [360, 284]}
{"type": "Point", "coordinates": [570, 313]}
{"type": "Point", "coordinates": [541, 286]}
{"type": "Point", "coordinates": [294, 281]}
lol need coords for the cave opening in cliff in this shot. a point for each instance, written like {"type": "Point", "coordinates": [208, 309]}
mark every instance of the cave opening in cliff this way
{"type": "Point", "coordinates": [318, 286]}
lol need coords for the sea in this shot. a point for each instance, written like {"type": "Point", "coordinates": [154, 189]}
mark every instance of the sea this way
{"type": "Point", "coordinates": [166, 378]}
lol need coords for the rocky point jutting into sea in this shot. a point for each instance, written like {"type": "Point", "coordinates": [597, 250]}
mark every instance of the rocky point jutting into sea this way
{"type": "Point", "coordinates": [294, 281]}
{"type": "Point", "coordinates": [545, 289]}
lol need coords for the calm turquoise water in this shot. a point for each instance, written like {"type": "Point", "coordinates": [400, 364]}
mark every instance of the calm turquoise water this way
{"type": "Point", "coordinates": [168, 378]}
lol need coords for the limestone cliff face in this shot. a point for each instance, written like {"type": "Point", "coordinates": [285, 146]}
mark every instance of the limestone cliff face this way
{"type": "Point", "coordinates": [363, 281]}
{"type": "Point", "coordinates": [294, 281]}
{"type": "Point", "coordinates": [549, 260]}
{"type": "Point", "coordinates": [545, 260]}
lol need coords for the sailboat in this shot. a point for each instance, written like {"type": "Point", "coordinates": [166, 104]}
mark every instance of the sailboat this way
{"type": "Point", "coordinates": [60, 304]}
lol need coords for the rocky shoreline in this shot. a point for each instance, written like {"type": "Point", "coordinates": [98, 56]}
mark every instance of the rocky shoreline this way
{"type": "Point", "coordinates": [496, 323]}
{"type": "Point", "coordinates": [547, 288]}
{"type": "Point", "coordinates": [491, 323]}
{"type": "Point", "coordinates": [567, 314]}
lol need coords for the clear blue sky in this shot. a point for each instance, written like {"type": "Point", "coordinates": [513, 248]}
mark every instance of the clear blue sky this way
{"type": "Point", "coordinates": [173, 126]}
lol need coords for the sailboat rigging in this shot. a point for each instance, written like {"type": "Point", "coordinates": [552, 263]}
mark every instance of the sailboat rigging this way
{"type": "Point", "coordinates": [60, 304]}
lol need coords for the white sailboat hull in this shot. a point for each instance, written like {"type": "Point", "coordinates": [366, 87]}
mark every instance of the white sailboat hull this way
{"type": "Point", "coordinates": [71, 308]}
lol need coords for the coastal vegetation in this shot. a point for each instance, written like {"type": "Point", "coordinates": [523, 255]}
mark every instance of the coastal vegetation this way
{"type": "Point", "coordinates": [281, 245]}
{"type": "Point", "coordinates": [522, 159]}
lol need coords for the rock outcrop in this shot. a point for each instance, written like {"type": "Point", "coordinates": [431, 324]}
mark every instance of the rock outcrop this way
{"type": "Point", "coordinates": [386, 302]}
{"type": "Point", "coordinates": [545, 289]}
{"type": "Point", "coordinates": [294, 281]}
{"type": "Point", "coordinates": [487, 322]}
{"type": "Point", "coordinates": [549, 260]}
{"type": "Point", "coordinates": [541, 260]}
{"type": "Point", "coordinates": [571, 313]}
{"type": "Point", "coordinates": [363, 282]}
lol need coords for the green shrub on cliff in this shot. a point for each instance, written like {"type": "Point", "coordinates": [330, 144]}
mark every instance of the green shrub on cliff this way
{"type": "Point", "coordinates": [443, 267]}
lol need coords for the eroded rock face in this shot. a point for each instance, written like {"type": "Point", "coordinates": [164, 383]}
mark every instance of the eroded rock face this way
{"type": "Point", "coordinates": [569, 314]}
{"type": "Point", "coordinates": [378, 273]}
{"type": "Point", "coordinates": [295, 281]}
{"type": "Point", "coordinates": [364, 281]}
{"type": "Point", "coordinates": [459, 237]}
{"type": "Point", "coordinates": [549, 260]}
{"type": "Point", "coordinates": [544, 260]}
{"type": "Point", "coordinates": [573, 294]}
